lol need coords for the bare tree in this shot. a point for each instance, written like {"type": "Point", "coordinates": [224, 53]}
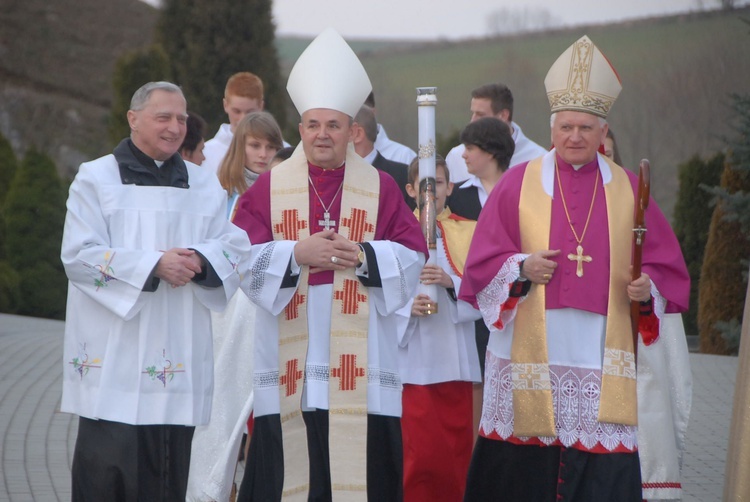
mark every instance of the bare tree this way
{"type": "Point", "coordinates": [507, 21]}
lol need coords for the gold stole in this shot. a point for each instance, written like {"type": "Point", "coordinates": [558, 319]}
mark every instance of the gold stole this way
{"type": "Point", "coordinates": [457, 236]}
{"type": "Point", "coordinates": [348, 371]}
{"type": "Point", "coordinates": [533, 410]}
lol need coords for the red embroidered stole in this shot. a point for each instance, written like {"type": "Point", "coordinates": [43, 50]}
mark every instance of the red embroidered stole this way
{"type": "Point", "coordinates": [348, 368]}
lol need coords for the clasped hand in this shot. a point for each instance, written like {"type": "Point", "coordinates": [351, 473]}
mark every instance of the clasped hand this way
{"type": "Point", "coordinates": [178, 266]}
{"type": "Point", "coordinates": [326, 250]}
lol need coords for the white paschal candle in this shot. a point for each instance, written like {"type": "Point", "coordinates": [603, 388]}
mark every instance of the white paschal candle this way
{"type": "Point", "coordinates": [426, 102]}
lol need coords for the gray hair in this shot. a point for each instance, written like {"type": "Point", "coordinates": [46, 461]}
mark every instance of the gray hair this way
{"type": "Point", "coordinates": [602, 121]}
{"type": "Point", "coordinates": [142, 95]}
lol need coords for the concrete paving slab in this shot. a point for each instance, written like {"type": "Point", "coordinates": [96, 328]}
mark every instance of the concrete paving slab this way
{"type": "Point", "coordinates": [37, 440]}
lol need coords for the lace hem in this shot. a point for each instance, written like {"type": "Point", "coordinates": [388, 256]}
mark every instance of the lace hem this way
{"type": "Point", "coordinates": [575, 394]}
{"type": "Point", "coordinates": [491, 299]}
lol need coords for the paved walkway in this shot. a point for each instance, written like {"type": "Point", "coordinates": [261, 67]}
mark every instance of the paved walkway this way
{"type": "Point", "coordinates": [36, 440]}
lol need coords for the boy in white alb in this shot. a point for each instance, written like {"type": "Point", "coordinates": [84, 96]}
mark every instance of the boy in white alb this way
{"type": "Point", "coordinates": [438, 362]}
{"type": "Point", "coordinates": [243, 95]}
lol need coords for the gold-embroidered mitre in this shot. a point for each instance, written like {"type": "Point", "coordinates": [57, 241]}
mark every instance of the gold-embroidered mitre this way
{"type": "Point", "coordinates": [582, 80]}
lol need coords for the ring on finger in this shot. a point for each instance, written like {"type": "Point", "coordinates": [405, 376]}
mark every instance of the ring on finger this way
{"type": "Point", "coordinates": [334, 260]}
{"type": "Point", "coordinates": [547, 276]}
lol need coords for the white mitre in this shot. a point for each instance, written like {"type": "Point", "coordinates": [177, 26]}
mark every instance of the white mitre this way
{"type": "Point", "coordinates": [328, 75]}
{"type": "Point", "coordinates": [582, 80]}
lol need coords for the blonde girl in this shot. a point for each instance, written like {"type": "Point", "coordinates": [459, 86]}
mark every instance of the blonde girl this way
{"type": "Point", "coordinates": [256, 140]}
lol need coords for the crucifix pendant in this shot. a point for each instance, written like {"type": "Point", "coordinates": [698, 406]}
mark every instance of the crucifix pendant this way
{"type": "Point", "coordinates": [327, 222]}
{"type": "Point", "coordinates": [580, 258]}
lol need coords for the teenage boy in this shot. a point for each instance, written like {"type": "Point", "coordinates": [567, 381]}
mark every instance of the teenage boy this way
{"type": "Point", "coordinates": [438, 362]}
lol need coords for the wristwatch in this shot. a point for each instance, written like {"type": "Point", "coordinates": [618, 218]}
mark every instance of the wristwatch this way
{"type": "Point", "coordinates": [361, 255]}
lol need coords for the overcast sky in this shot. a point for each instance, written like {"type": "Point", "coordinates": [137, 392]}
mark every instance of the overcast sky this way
{"type": "Point", "coordinates": [455, 19]}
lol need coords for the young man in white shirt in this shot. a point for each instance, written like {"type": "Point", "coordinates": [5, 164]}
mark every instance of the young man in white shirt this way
{"type": "Point", "coordinates": [243, 95]}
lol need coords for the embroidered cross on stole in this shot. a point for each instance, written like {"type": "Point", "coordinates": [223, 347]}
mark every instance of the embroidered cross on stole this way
{"type": "Point", "coordinates": [533, 410]}
{"type": "Point", "coordinates": [348, 369]}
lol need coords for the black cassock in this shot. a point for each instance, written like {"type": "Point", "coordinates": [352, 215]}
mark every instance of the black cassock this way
{"type": "Point", "coordinates": [502, 471]}
{"type": "Point", "coordinates": [118, 462]}
{"type": "Point", "coordinates": [264, 471]}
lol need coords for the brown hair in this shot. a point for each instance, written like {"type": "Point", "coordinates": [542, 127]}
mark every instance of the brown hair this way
{"type": "Point", "coordinates": [195, 132]}
{"type": "Point", "coordinates": [244, 85]}
{"type": "Point", "coordinates": [615, 151]}
{"type": "Point", "coordinates": [283, 154]}
{"type": "Point", "coordinates": [493, 136]}
{"type": "Point", "coordinates": [232, 170]}
{"type": "Point", "coordinates": [414, 170]}
{"type": "Point", "coordinates": [499, 95]}
{"type": "Point", "coordinates": [366, 120]}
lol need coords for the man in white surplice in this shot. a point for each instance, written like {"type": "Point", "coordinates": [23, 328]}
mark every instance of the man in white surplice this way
{"type": "Point", "coordinates": [336, 252]}
{"type": "Point", "coordinates": [148, 251]}
{"type": "Point", "coordinates": [493, 100]}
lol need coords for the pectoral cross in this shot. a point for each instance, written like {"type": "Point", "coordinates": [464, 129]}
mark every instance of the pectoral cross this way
{"type": "Point", "coordinates": [327, 222]}
{"type": "Point", "coordinates": [580, 258]}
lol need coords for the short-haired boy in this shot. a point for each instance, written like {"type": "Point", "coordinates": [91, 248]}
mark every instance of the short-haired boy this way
{"type": "Point", "coordinates": [243, 95]}
{"type": "Point", "coordinates": [438, 362]}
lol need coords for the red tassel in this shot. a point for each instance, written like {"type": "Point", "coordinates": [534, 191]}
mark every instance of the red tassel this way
{"type": "Point", "coordinates": [648, 325]}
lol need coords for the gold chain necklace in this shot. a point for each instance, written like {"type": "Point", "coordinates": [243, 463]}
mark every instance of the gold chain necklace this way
{"type": "Point", "coordinates": [579, 256]}
{"type": "Point", "coordinates": [326, 222]}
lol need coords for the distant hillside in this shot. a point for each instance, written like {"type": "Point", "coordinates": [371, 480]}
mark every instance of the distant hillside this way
{"type": "Point", "coordinates": [677, 74]}
{"type": "Point", "coordinates": [56, 61]}
{"type": "Point", "coordinates": [50, 42]}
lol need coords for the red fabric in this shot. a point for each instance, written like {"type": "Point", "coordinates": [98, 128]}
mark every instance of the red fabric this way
{"type": "Point", "coordinates": [250, 423]}
{"type": "Point", "coordinates": [648, 326]}
{"type": "Point", "coordinates": [662, 485]}
{"type": "Point", "coordinates": [438, 438]}
{"type": "Point", "coordinates": [509, 304]}
{"type": "Point", "coordinates": [395, 223]}
{"type": "Point", "coordinates": [498, 237]}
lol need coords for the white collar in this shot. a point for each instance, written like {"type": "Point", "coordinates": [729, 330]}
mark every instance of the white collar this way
{"type": "Point", "coordinates": [472, 181]}
{"type": "Point", "coordinates": [548, 171]}
{"type": "Point", "coordinates": [370, 157]}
